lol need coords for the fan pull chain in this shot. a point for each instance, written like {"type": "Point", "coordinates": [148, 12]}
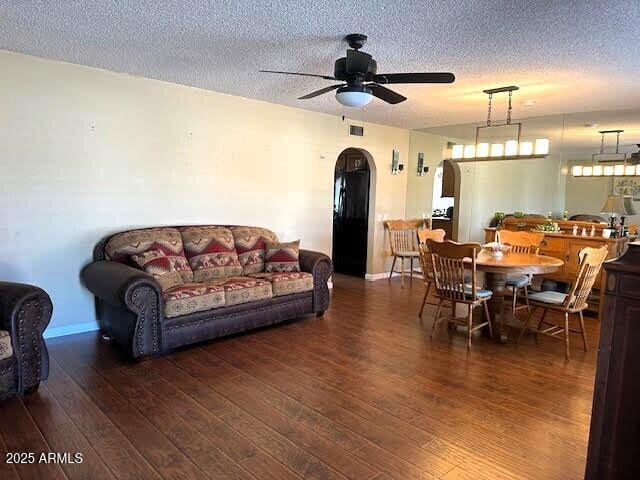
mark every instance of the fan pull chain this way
{"type": "Point", "coordinates": [509, 108]}
{"type": "Point", "coordinates": [489, 111]}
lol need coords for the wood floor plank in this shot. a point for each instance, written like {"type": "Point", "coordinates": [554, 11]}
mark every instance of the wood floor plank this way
{"type": "Point", "coordinates": [359, 393]}
{"type": "Point", "coordinates": [394, 447]}
{"type": "Point", "coordinates": [21, 435]}
{"type": "Point", "coordinates": [170, 462]}
{"type": "Point", "coordinates": [243, 393]}
{"type": "Point", "coordinates": [109, 443]}
{"type": "Point", "coordinates": [7, 471]}
{"type": "Point", "coordinates": [63, 436]}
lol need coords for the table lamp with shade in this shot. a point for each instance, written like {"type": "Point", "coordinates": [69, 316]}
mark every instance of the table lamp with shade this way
{"type": "Point", "coordinates": [613, 206]}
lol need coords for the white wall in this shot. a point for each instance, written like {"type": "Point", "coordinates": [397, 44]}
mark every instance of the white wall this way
{"type": "Point", "coordinates": [530, 186]}
{"type": "Point", "coordinates": [86, 152]}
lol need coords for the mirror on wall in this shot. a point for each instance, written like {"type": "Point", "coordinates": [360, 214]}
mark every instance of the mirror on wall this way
{"type": "Point", "coordinates": [462, 196]}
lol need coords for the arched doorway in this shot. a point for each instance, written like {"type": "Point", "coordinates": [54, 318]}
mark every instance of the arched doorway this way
{"type": "Point", "coordinates": [446, 198]}
{"type": "Point", "coordinates": [351, 187]}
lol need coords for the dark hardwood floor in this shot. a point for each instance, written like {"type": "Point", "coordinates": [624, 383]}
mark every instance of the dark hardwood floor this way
{"type": "Point", "coordinates": [361, 393]}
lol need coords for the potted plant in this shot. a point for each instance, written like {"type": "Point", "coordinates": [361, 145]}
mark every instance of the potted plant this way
{"type": "Point", "coordinates": [520, 216]}
{"type": "Point", "coordinates": [499, 216]}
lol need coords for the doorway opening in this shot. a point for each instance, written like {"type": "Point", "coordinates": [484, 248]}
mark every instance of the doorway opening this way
{"type": "Point", "coordinates": [446, 199]}
{"type": "Point", "coordinates": [351, 194]}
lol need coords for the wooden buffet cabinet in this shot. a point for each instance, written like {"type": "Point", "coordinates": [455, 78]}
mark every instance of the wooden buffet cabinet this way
{"type": "Point", "coordinates": [566, 247]}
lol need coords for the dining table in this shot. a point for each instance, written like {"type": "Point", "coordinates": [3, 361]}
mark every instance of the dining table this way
{"type": "Point", "coordinates": [497, 268]}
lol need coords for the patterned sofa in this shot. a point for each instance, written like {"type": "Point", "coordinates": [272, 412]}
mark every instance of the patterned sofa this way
{"type": "Point", "coordinates": [160, 288]}
{"type": "Point", "coordinates": [25, 312]}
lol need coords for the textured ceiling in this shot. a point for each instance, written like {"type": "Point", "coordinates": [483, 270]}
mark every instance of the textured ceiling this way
{"type": "Point", "coordinates": [565, 55]}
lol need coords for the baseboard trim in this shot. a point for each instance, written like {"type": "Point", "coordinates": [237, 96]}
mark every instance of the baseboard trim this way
{"type": "Point", "coordinates": [372, 277]}
{"type": "Point", "coordinates": [71, 329]}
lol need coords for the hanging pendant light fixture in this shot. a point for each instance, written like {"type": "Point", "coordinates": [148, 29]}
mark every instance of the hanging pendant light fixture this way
{"type": "Point", "coordinates": [608, 164]}
{"type": "Point", "coordinates": [512, 149]}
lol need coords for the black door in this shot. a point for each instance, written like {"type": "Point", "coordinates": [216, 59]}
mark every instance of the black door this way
{"type": "Point", "coordinates": [351, 213]}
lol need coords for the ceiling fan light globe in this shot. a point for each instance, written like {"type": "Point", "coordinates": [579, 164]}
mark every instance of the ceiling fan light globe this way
{"type": "Point", "coordinates": [354, 96]}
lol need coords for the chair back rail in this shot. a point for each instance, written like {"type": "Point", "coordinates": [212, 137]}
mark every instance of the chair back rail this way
{"type": "Point", "coordinates": [436, 235]}
{"type": "Point", "coordinates": [449, 260]}
{"type": "Point", "coordinates": [521, 242]}
{"type": "Point", "coordinates": [402, 235]}
{"type": "Point", "coordinates": [591, 260]}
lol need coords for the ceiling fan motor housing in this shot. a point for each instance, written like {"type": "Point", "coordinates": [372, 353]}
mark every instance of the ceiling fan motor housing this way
{"type": "Point", "coordinates": [340, 69]}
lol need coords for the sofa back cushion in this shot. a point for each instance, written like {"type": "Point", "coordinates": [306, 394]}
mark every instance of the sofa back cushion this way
{"type": "Point", "coordinates": [211, 252]}
{"type": "Point", "coordinates": [123, 245]}
{"type": "Point", "coordinates": [250, 245]}
{"type": "Point", "coordinates": [156, 263]}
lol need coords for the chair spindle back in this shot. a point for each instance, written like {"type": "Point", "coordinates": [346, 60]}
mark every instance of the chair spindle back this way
{"type": "Point", "coordinates": [591, 260]}
{"type": "Point", "coordinates": [521, 242]}
{"type": "Point", "coordinates": [449, 260]}
{"type": "Point", "coordinates": [402, 236]}
{"type": "Point", "coordinates": [436, 235]}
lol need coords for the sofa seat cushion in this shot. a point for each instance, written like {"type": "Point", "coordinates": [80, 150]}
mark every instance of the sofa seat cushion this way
{"type": "Point", "coordinates": [192, 297]}
{"type": "Point", "coordinates": [285, 283]}
{"type": "Point", "coordinates": [157, 264]}
{"type": "Point", "coordinates": [211, 252]}
{"type": "Point", "coordinates": [282, 257]}
{"type": "Point", "coordinates": [6, 351]}
{"type": "Point", "coordinates": [239, 290]}
{"type": "Point", "coordinates": [123, 245]}
{"type": "Point", "coordinates": [250, 245]}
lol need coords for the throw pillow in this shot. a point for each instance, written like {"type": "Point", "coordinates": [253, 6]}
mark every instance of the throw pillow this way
{"type": "Point", "coordinates": [157, 264]}
{"type": "Point", "coordinates": [282, 257]}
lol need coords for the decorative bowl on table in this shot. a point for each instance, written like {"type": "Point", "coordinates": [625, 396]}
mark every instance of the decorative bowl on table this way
{"type": "Point", "coordinates": [497, 249]}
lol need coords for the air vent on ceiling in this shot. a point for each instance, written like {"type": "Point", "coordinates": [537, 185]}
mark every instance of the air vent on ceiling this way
{"type": "Point", "coordinates": [356, 130]}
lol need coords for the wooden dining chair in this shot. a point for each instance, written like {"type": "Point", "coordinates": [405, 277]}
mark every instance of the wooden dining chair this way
{"type": "Point", "coordinates": [591, 260]}
{"type": "Point", "coordinates": [449, 261]}
{"type": "Point", "coordinates": [425, 234]}
{"type": "Point", "coordinates": [402, 239]}
{"type": "Point", "coordinates": [520, 242]}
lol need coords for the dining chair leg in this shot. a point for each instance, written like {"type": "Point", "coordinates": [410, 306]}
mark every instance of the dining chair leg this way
{"type": "Point", "coordinates": [393, 264]}
{"type": "Point", "coordinates": [453, 315]}
{"type": "Point", "coordinates": [401, 272]}
{"type": "Point", "coordinates": [515, 298]}
{"type": "Point", "coordinates": [436, 318]}
{"type": "Point", "coordinates": [469, 325]}
{"type": "Point", "coordinates": [584, 334]}
{"type": "Point", "coordinates": [566, 335]}
{"type": "Point", "coordinates": [525, 325]}
{"type": "Point", "coordinates": [411, 272]}
{"type": "Point", "coordinates": [526, 297]}
{"type": "Point", "coordinates": [424, 300]}
{"type": "Point", "coordinates": [488, 315]}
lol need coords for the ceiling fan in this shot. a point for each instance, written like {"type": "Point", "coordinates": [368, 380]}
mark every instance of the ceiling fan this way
{"type": "Point", "coordinates": [362, 82]}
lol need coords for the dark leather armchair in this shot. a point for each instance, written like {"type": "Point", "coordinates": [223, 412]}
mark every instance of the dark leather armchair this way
{"type": "Point", "coordinates": [25, 312]}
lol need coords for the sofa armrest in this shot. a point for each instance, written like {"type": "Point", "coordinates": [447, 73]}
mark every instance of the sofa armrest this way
{"type": "Point", "coordinates": [134, 304]}
{"type": "Point", "coordinates": [321, 266]}
{"type": "Point", "coordinates": [25, 312]}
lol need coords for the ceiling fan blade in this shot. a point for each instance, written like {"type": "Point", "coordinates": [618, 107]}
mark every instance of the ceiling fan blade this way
{"type": "Point", "coordinates": [320, 92]}
{"type": "Point", "coordinates": [326, 77]}
{"type": "Point", "coordinates": [357, 62]}
{"type": "Point", "coordinates": [383, 93]}
{"type": "Point", "coordinates": [433, 77]}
